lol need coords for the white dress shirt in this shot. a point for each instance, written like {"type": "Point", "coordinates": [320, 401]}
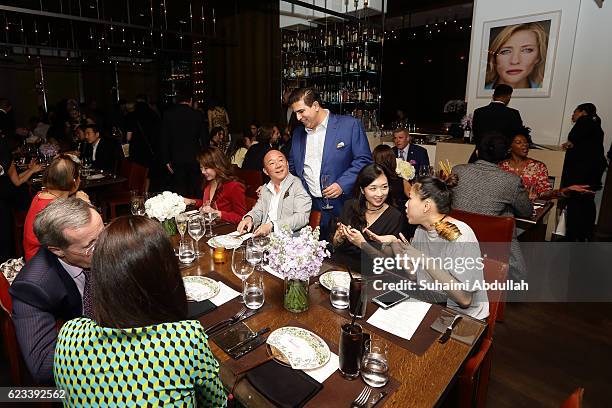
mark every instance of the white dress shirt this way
{"type": "Point", "coordinates": [273, 208]}
{"type": "Point", "coordinates": [76, 274]}
{"type": "Point", "coordinates": [315, 142]}
{"type": "Point", "coordinates": [95, 148]}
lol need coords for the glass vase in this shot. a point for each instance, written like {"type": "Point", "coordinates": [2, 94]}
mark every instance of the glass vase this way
{"type": "Point", "coordinates": [170, 227]}
{"type": "Point", "coordinates": [296, 298]}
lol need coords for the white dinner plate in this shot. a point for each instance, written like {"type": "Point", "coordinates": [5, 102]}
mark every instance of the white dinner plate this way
{"type": "Point", "coordinates": [330, 279]}
{"type": "Point", "coordinates": [301, 348]}
{"type": "Point", "coordinates": [95, 177]}
{"type": "Point", "coordinates": [199, 288]}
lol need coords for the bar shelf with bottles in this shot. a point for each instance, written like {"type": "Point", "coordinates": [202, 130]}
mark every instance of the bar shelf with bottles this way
{"type": "Point", "coordinates": [341, 60]}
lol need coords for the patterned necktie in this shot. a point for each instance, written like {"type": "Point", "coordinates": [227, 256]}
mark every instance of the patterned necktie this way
{"type": "Point", "coordinates": [87, 309]}
{"type": "Point", "coordinates": [401, 154]}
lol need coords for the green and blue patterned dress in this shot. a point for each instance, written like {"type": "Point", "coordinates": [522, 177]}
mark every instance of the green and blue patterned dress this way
{"type": "Point", "coordinates": [168, 364]}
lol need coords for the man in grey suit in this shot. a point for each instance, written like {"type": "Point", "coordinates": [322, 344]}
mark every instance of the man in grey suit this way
{"type": "Point", "coordinates": [486, 189]}
{"type": "Point", "coordinates": [284, 202]}
{"type": "Point", "coordinates": [51, 286]}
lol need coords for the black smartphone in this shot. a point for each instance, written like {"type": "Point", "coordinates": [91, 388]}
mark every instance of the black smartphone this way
{"type": "Point", "coordinates": [390, 299]}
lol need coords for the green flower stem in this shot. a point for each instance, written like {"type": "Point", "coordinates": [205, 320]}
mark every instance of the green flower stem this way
{"type": "Point", "coordinates": [296, 298]}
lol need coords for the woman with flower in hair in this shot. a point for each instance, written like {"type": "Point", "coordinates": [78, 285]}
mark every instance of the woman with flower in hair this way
{"type": "Point", "coordinates": [517, 57]}
{"type": "Point", "coordinates": [447, 248]}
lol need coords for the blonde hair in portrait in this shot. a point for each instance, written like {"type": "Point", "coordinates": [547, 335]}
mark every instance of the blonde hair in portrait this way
{"type": "Point", "coordinates": [537, 73]}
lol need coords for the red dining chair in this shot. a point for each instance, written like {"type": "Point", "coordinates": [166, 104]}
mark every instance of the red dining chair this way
{"type": "Point", "coordinates": [315, 219]}
{"type": "Point", "coordinates": [250, 202]}
{"type": "Point", "coordinates": [253, 179]}
{"type": "Point", "coordinates": [494, 234]}
{"type": "Point", "coordinates": [574, 400]}
{"type": "Point", "coordinates": [19, 217]}
{"type": "Point", "coordinates": [136, 176]}
{"type": "Point", "coordinates": [494, 271]}
{"type": "Point", "coordinates": [474, 379]}
{"type": "Point", "coordinates": [18, 371]}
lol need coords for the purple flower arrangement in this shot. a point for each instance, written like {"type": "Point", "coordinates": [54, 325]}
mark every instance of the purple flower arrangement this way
{"type": "Point", "coordinates": [297, 257]}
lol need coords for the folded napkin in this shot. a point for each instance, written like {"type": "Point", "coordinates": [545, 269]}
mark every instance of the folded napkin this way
{"type": "Point", "coordinates": [401, 320]}
{"type": "Point", "coordinates": [285, 387]}
{"type": "Point", "coordinates": [197, 309]}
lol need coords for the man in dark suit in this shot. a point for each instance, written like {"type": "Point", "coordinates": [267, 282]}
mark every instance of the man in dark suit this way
{"type": "Point", "coordinates": [327, 153]}
{"type": "Point", "coordinates": [104, 153]}
{"type": "Point", "coordinates": [182, 130]}
{"type": "Point", "coordinates": [407, 151]}
{"type": "Point", "coordinates": [497, 117]}
{"type": "Point", "coordinates": [7, 125]}
{"type": "Point", "coordinates": [52, 286]}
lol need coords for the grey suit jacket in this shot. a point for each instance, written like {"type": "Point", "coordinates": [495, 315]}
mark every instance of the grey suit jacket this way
{"type": "Point", "coordinates": [293, 207]}
{"type": "Point", "coordinates": [486, 189]}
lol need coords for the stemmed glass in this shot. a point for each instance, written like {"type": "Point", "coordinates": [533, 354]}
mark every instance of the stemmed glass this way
{"type": "Point", "coordinates": [427, 171]}
{"type": "Point", "coordinates": [196, 228]}
{"type": "Point", "coordinates": [209, 210]}
{"type": "Point", "coordinates": [86, 166]}
{"type": "Point", "coordinates": [261, 244]}
{"type": "Point", "coordinates": [254, 254]}
{"type": "Point", "coordinates": [326, 182]}
{"type": "Point", "coordinates": [241, 267]}
{"type": "Point", "coordinates": [181, 224]}
{"type": "Point", "coordinates": [137, 204]}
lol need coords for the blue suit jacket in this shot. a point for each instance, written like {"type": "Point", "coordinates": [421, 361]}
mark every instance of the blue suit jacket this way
{"type": "Point", "coordinates": [345, 153]}
{"type": "Point", "coordinates": [416, 153]}
{"type": "Point", "coordinates": [42, 293]}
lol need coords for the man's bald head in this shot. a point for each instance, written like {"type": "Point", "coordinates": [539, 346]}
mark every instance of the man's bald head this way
{"type": "Point", "coordinates": [276, 166]}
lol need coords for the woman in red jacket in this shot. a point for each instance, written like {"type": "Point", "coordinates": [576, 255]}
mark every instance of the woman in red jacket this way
{"type": "Point", "coordinates": [220, 187]}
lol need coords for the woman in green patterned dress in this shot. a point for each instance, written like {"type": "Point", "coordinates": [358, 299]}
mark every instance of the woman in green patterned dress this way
{"type": "Point", "coordinates": [141, 350]}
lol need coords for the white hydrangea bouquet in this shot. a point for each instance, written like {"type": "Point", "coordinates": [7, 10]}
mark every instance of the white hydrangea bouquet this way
{"type": "Point", "coordinates": [297, 258]}
{"type": "Point", "coordinates": [164, 207]}
{"type": "Point", "coordinates": [404, 169]}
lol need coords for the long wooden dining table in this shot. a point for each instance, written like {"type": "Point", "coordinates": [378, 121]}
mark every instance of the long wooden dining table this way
{"type": "Point", "coordinates": [423, 379]}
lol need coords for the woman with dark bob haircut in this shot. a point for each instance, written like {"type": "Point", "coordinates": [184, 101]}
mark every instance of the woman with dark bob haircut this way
{"type": "Point", "coordinates": [140, 345]}
{"type": "Point", "coordinates": [438, 237]}
{"type": "Point", "coordinates": [369, 209]}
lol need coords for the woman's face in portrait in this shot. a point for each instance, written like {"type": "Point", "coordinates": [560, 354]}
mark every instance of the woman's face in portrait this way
{"type": "Point", "coordinates": [377, 191]}
{"type": "Point", "coordinates": [520, 146]}
{"type": "Point", "coordinates": [516, 59]}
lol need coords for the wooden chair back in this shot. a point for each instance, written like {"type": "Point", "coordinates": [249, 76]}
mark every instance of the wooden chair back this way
{"type": "Point", "coordinates": [494, 271]}
{"type": "Point", "coordinates": [474, 378]}
{"type": "Point", "coordinates": [250, 202]}
{"type": "Point", "coordinates": [315, 219]}
{"type": "Point", "coordinates": [18, 371]}
{"type": "Point", "coordinates": [253, 179]}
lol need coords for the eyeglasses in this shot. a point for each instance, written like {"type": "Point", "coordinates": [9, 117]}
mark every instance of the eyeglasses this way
{"type": "Point", "coordinates": [87, 251]}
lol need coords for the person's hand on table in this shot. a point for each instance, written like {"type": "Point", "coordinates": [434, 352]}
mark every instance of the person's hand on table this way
{"type": "Point", "coordinates": [245, 225]}
{"type": "Point", "coordinates": [263, 230]}
{"type": "Point", "coordinates": [333, 191]}
{"type": "Point", "coordinates": [189, 201]}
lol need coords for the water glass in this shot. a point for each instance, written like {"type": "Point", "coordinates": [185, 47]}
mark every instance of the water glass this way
{"type": "Point", "coordinates": [254, 291]}
{"type": "Point", "coordinates": [375, 363]}
{"type": "Point", "coordinates": [186, 251]}
{"type": "Point", "coordinates": [253, 254]}
{"type": "Point", "coordinates": [358, 297]}
{"type": "Point", "coordinates": [196, 229]}
{"type": "Point", "coordinates": [339, 297]}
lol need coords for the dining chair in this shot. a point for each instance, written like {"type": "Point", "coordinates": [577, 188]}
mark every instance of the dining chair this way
{"type": "Point", "coordinates": [250, 202]}
{"type": "Point", "coordinates": [315, 219]}
{"type": "Point", "coordinates": [494, 271]}
{"type": "Point", "coordinates": [19, 217]}
{"type": "Point", "coordinates": [18, 371]}
{"type": "Point", "coordinates": [574, 400]}
{"type": "Point", "coordinates": [253, 179]}
{"type": "Point", "coordinates": [474, 378]}
{"type": "Point", "coordinates": [136, 176]}
{"type": "Point", "coordinates": [494, 234]}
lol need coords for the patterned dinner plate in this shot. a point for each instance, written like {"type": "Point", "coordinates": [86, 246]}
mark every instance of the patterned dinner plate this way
{"type": "Point", "coordinates": [301, 348]}
{"type": "Point", "coordinates": [330, 279]}
{"type": "Point", "coordinates": [199, 288]}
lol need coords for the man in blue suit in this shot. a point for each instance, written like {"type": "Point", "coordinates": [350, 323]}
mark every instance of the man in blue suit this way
{"type": "Point", "coordinates": [327, 153]}
{"type": "Point", "coordinates": [409, 152]}
{"type": "Point", "coordinates": [51, 286]}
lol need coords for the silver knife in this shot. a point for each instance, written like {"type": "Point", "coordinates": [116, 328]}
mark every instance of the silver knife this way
{"type": "Point", "coordinates": [252, 345]}
{"type": "Point", "coordinates": [377, 399]}
{"type": "Point", "coordinates": [248, 339]}
{"type": "Point", "coordinates": [449, 330]}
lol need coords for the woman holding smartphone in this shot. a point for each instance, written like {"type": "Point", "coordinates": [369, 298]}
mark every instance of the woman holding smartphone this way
{"type": "Point", "coordinates": [369, 209]}
{"type": "Point", "coordinates": [443, 251]}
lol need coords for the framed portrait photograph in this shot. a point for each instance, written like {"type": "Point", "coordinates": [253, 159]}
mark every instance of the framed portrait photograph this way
{"type": "Point", "coordinates": [519, 52]}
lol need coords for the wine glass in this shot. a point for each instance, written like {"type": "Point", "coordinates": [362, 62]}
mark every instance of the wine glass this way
{"type": "Point", "coordinates": [196, 228]}
{"type": "Point", "coordinates": [253, 254]}
{"type": "Point", "coordinates": [209, 210]}
{"type": "Point", "coordinates": [326, 182]}
{"type": "Point", "coordinates": [137, 204]}
{"type": "Point", "coordinates": [181, 224]}
{"type": "Point", "coordinates": [261, 244]}
{"type": "Point", "coordinates": [241, 267]}
{"type": "Point", "coordinates": [86, 166]}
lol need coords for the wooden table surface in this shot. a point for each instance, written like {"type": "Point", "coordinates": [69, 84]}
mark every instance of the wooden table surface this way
{"type": "Point", "coordinates": [423, 379]}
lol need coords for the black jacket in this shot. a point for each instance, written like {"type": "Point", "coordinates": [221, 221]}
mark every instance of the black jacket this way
{"type": "Point", "coordinates": [182, 132]}
{"type": "Point", "coordinates": [108, 154]}
{"type": "Point", "coordinates": [496, 117]}
{"type": "Point", "coordinates": [585, 161]}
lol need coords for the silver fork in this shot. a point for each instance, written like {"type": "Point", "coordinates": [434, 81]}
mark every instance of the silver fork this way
{"type": "Point", "coordinates": [225, 322]}
{"type": "Point", "coordinates": [362, 398]}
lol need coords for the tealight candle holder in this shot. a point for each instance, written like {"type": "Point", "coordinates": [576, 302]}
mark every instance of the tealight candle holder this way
{"type": "Point", "coordinates": [219, 255]}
